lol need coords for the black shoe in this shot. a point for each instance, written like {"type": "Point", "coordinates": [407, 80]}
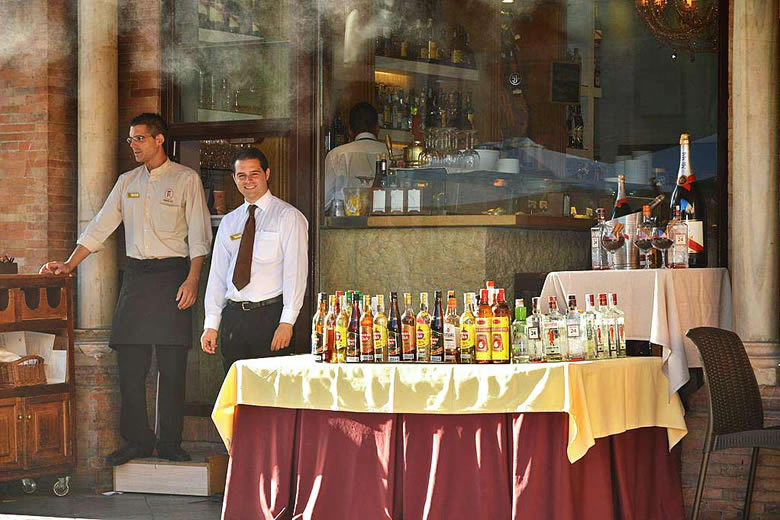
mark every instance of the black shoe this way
{"type": "Point", "coordinates": [174, 453]}
{"type": "Point", "coordinates": [126, 453]}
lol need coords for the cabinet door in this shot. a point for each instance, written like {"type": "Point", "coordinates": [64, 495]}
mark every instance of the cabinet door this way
{"type": "Point", "coordinates": [47, 423]}
{"type": "Point", "coordinates": [11, 421]}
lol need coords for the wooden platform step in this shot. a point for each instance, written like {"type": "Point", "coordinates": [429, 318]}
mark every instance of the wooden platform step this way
{"type": "Point", "coordinates": [203, 476]}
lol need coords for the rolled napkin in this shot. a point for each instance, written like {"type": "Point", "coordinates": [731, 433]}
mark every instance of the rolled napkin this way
{"type": "Point", "coordinates": [6, 356]}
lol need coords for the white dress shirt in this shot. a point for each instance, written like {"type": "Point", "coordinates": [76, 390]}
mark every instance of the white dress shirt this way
{"type": "Point", "coordinates": [345, 163]}
{"type": "Point", "coordinates": [164, 212]}
{"type": "Point", "coordinates": [279, 259]}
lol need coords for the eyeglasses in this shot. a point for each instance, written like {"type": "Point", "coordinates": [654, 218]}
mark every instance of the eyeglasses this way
{"type": "Point", "coordinates": [137, 138]}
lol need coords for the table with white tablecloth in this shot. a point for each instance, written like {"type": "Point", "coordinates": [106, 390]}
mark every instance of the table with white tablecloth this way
{"type": "Point", "coordinates": [660, 306]}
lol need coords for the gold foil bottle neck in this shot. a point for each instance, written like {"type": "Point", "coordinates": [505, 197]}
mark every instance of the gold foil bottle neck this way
{"type": "Point", "coordinates": [685, 138]}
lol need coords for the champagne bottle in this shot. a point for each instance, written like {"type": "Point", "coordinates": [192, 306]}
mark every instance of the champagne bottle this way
{"type": "Point", "coordinates": [692, 210]}
{"type": "Point", "coordinates": [622, 207]}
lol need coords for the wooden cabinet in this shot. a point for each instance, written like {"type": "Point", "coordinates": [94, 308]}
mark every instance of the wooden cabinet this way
{"type": "Point", "coordinates": [37, 426]}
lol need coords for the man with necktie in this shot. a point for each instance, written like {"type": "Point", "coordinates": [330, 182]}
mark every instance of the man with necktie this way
{"type": "Point", "coordinates": [258, 270]}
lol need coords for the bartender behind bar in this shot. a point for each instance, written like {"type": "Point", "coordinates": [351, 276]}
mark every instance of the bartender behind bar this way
{"type": "Point", "coordinates": [163, 209]}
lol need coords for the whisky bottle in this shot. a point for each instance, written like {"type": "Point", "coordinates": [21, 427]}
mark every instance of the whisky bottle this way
{"type": "Point", "coordinates": [437, 330]}
{"type": "Point", "coordinates": [380, 331]}
{"type": "Point", "coordinates": [408, 331]}
{"type": "Point", "coordinates": [499, 329]}
{"type": "Point", "coordinates": [330, 331]}
{"type": "Point", "coordinates": [451, 329]}
{"type": "Point", "coordinates": [467, 331]}
{"type": "Point", "coordinates": [317, 323]}
{"type": "Point", "coordinates": [423, 330]}
{"type": "Point", "coordinates": [482, 325]}
{"type": "Point", "coordinates": [367, 332]}
{"type": "Point", "coordinates": [353, 331]}
{"type": "Point", "coordinates": [394, 342]}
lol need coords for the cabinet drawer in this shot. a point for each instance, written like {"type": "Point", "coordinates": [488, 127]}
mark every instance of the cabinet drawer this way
{"type": "Point", "coordinates": [47, 430]}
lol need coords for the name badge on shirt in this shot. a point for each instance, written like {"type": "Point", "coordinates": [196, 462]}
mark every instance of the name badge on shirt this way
{"type": "Point", "coordinates": [235, 236]}
{"type": "Point", "coordinates": [133, 195]}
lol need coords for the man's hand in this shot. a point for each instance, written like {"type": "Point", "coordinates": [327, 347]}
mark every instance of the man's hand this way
{"type": "Point", "coordinates": [208, 341]}
{"type": "Point", "coordinates": [187, 294]}
{"type": "Point", "coordinates": [55, 267]}
{"type": "Point", "coordinates": [282, 337]}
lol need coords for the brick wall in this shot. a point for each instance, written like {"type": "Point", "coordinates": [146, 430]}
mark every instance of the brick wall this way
{"type": "Point", "coordinates": [37, 131]}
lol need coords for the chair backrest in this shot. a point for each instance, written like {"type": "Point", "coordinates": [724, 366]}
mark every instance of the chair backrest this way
{"type": "Point", "coordinates": [735, 400]}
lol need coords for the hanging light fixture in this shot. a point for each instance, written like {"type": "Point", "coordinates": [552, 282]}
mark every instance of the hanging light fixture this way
{"type": "Point", "coordinates": [689, 25]}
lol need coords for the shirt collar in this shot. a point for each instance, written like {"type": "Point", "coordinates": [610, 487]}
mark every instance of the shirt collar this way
{"type": "Point", "coordinates": [262, 203]}
{"type": "Point", "coordinates": [365, 135]}
{"type": "Point", "coordinates": [159, 169]}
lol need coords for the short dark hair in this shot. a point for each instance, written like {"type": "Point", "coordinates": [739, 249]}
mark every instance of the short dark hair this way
{"type": "Point", "coordinates": [363, 118]}
{"type": "Point", "coordinates": [155, 122]}
{"type": "Point", "coordinates": [249, 153]}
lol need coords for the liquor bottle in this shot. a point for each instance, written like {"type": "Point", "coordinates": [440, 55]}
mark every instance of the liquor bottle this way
{"type": "Point", "coordinates": [678, 232]}
{"type": "Point", "coordinates": [342, 322]}
{"type": "Point", "coordinates": [423, 330]}
{"type": "Point", "coordinates": [367, 332]}
{"type": "Point", "coordinates": [622, 207]}
{"type": "Point", "coordinates": [513, 80]}
{"type": "Point", "coordinates": [394, 341]}
{"type": "Point", "coordinates": [607, 328]}
{"type": "Point", "coordinates": [692, 209]}
{"type": "Point", "coordinates": [482, 324]}
{"type": "Point", "coordinates": [380, 331]}
{"type": "Point", "coordinates": [554, 333]}
{"type": "Point", "coordinates": [499, 329]}
{"type": "Point", "coordinates": [602, 328]}
{"type": "Point", "coordinates": [643, 241]}
{"type": "Point", "coordinates": [232, 16]}
{"type": "Point", "coordinates": [353, 331]}
{"type": "Point", "coordinates": [467, 331]}
{"type": "Point", "coordinates": [408, 331]}
{"type": "Point", "coordinates": [576, 332]}
{"type": "Point", "coordinates": [317, 328]}
{"type": "Point", "coordinates": [519, 346]}
{"type": "Point", "coordinates": [598, 255]}
{"type": "Point", "coordinates": [421, 42]}
{"type": "Point", "coordinates": [469, 111]}
{"type": "Point", "coordinates": [620, 324]}
{"type": "Point", "coordinates": [433, 43]}
{"type": "Point", "coordinates": [380, 175]}
{"type": "Point", "coordinates": [457, 57]}
{"type": "Point", "coordinates": [533, 333]}
{"type": "Point", "coordinates": [432, 117]}
{"type": "Point", "coordinates": [330, 330]}
{"type": "Point", "coordinates": [437, 330]}
{"type": "Point", "coordinates": [590, 317]}
{"type": "Point", "coordinates": [203, 13]}
{"type": "Point", "coordinates": [451, 329]}
{"type": "Point", "coordinates": [579, 128]}
{"type": "Point", "coordinates": [254, 21]}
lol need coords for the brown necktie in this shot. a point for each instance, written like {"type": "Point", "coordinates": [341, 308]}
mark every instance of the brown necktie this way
{"type": "Point", "coordinates": [243, 269]}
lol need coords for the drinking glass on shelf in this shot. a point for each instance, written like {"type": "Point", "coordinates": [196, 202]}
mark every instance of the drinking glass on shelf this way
{"type": "Point", "coordinates": [661, 241]}
{"type": "Point", "coordinates": [612, 238]}
{"type": "Point", "coordinates": [643, 241]}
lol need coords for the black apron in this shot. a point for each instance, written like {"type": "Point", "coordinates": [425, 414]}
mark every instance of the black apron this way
{"type": "Point", "coordinates": [147, 311]}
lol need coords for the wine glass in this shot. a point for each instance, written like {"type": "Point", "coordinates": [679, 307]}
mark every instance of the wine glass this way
{"type": "Point", "coordinates": [661, 241]}
{"type": "Point", "coordinates": [643, 241]}
{"type": "Point", "coordinates": [612, 238]}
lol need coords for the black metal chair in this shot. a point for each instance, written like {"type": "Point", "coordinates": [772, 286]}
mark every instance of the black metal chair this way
{"type": "Point", "coordinates": [736, 414]}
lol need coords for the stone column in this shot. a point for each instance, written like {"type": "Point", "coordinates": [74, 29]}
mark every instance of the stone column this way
{"type": "Point", "coordinates": [97, 149]}
{"type": "Point", "coordinates": [755, 199]}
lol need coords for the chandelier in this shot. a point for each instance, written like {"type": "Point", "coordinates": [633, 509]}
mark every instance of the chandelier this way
{"type": "Point", "coordinates": [682, 24]}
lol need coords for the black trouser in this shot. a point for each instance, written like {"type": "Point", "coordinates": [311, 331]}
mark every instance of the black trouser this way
{"type": "Point", "coordinates": [248, 334]}
{"type": "Point", "coordinates": [134, 363]}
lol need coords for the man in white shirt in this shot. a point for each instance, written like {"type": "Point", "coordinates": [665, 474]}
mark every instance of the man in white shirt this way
{"type": "Point", "coordinates": [258, 270]}
{"type": "Point", "coordinates": [345, 163]}
{"type": "Point", "coordinates": [163, 209]}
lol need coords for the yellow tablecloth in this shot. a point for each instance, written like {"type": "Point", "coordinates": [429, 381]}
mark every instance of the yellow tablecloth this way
{"type": "Point", "coordinates": [602, 398]}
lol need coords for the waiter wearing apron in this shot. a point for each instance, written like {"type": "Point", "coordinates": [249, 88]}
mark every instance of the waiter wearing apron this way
{"type": "Point", "coordinates": [166, 220]}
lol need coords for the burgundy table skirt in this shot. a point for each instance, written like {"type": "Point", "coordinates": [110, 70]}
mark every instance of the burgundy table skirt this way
{"type": "Point", "coordinates": [322, 465]}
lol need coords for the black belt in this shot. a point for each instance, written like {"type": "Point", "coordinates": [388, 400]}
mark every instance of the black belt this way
{"type": "Point", "coordinates": [248, 306]}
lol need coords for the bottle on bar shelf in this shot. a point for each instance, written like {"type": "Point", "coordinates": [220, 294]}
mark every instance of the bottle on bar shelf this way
{"type": "Point", "coordinates": [591, 331]}
{"type": "Point", "coordinates": [533, 333]}
{"type": "Point", "coordinates": [423, 330]}
{"type": "Point", "coordinates": [609, 326]}
{"type": "Point", "coordinates": [622, 208]}
{"type": "Point", "coordinates": [678, 233]}
{"type": "Point", "coordinates": [519, 346]}
{"type": "Point", "coordinates": [380, 331]}
{"type": "Point", "coordinates": [576, 333]}
{"type": "Point", "coordinates": [342, 322]}
{"type": "Point", "coordinates": [317, 326]}
{"type": "Point", "coordinates": [329, 337]}
{"type": "Point", "coordinates": [394, 342]}
{"type": "Point", "coordinates": [602, 328]}
{"type": "Point", "coordinates": [554, 333]}
{"type": "Point", "coordinates": [499, 329]}
{"type": "Point", "coordinates": [437, 330]}
{"type": "Point", "coordinates": [451, 329]}
{"type": "Point", "coordinates": [408, 331]}
{"type": "Point", "coordinates": [367, 332]}
{"type": "Point", "coordinates": [468, 334]}
{"type": "Point", "coordinates": [482, 328]}
{"type": "Point", "coordinates": [598, 255]}
{"type": "Point", "coordinates": [353, 331]}
{"type": "Point", "coordinates": [692, 209]}
{"type": "Point", "coordinates": [620, 324]}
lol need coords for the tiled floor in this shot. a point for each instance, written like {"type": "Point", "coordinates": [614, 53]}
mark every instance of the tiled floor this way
{"type": "Point", "coordinates": [89, 506]}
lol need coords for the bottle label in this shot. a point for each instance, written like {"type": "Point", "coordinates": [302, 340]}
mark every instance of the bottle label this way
{"type": "Point", "coordinates": [316, 345]}
{"type": "Point", "coordinates": [612, 341]}
{"type": "Point", "coordinates": [457, 56]}
{"type": "Point", "coordinates": [532, 332]}
{"type": "Point", "coordinates": [353, 356]}
{"type": "Point", "coordinates": [500, 339]}
{"type": "Point", "coordinates": [341, 337]}
{"type": "Point", "coordinates": [407, 340]}
{"type": "Point", "coordinates": [695, 236]}
{"type": "Point", "coordinates": [404, 49]}
{"type": "Point", "coordinates": [423, 341]}
{"type": "Point", "coordinates": [680, 239]}
{"type": "Point", "coordinates": [552, 342]}
{"type": "Point", "coordinates": [433, 50]}
{"type": "Point", "coordinates": [393, 346]}
{"type": "Point", "coordinates": [366, 344]}
{"type": "Point", "coordinates": [450, 342]}
{"type": "Point", "coordinates": [437, 347]}
{"type": "Point", "coordinates": [467, 336]}
{"type": "Point", "coordinates": [573, 330]}
{"type": "Point", "coordinates": [482, 339]}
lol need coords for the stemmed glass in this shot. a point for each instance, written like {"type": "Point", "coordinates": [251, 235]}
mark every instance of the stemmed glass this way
{"type": "Point", "coordinates": [612, 238]}
{"type": "Point", "coordinates": [643, 241]}
{"type": "Point", "coordinates": [661, 241]}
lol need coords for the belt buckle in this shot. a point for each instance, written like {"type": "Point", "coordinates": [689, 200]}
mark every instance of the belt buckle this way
{"type": "Point", "coordinates": [245, 306]}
